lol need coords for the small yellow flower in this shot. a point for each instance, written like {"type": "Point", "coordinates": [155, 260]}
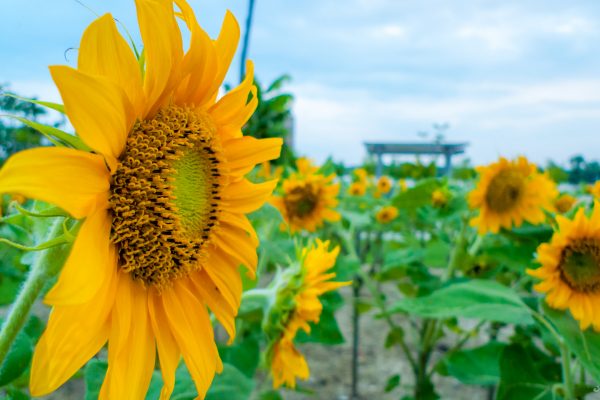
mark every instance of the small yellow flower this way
{"type": "Point", "coordinates": [510, 192]}
{"type": "Point", "coordinates": [386, 214]}
{"type": "Point", "coordinates": [439, 198]}
{"type": "Point", "coordinates": [564, 203]}
{"type": "Point", "coordinates": [570, 267]}
{"type": "Point", "coordinates": [384, 185]}
{"type": "Point", "coordinates": [357, 189]}
{"type": "Point", "coordinates": [308, 199]}
{"type": "Point", "coordinates": [287, 363]}
{"type": "Point", "coordinates": [164, 197]}
{"type": "Point", "coordinates": [361, 174]}
{"type": "Point", "coordinates": [594, 189]}
{"type": "Point", "coordinates": [402, 184]}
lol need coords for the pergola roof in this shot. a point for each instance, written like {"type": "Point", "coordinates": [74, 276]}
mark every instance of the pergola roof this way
{"type": "Point", "coordinates": [416, 148]}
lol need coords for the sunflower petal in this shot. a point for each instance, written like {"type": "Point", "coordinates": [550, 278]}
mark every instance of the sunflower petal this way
{"type": "Point", "coordinates": [103, 51]}
{"type": "Point", "coordinates": [88, 265]}
{"type": "Point", "coordinates": [168, 351]}
{"type": "Point", "coordinates": [131, 347]}
{"type": "Point", "coordinates": [73, 335]}
{"type": "Point", "coordinates": [98, 109]}
{"type": "Point", "coordinates": [193, 332]}
{"type": "Point", "coordinates": [244, 153]}
{"type": "Point", "coordinates": [48, 174]}
{"type": "Point", "coordinates": [162, 48]}
{"type": "Point", "coordinates": [234, 109]}
{"type": "Point", "coordinates": [226, 45]}
{"type": "Point", "coordinates": [245, 197]}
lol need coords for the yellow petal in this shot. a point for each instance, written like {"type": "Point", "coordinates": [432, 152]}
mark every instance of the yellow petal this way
{"type": "Point", "coordinates": [236, 243]}
{"type": "Point", "coordinates": [193, 332]}
{"type": "Point", "coordinates": [74, 180]}
{"type": "Point", "coordinates": [98, 109]}
{"type": "Point", "coordinates": [234, 109]}
{"type": "Point", "coordinates": [226, 44]}
{"type": "Point", "coordinates": [73, 335]}
{"type": "Point", "coordinates": [244, 153]}
{"type": "Point", "coordinates": [88, 265]}
{"type": "Point", "coordinates": [224, 272]}
{"type": "Point", "coordinates": [168, 351]}
{"type": "Point", "coordinates": [103, 51]}
{"type": "Point", "coordinates": [244, 197]}
{"type": "Point", "coordinates": [199, 65]}
{"type": "Point", "coordinates": [162, 48]}
{"type": "Point", "coordinates": [214, 299]}
{"type": "Point", "coordinates": [131, 346]}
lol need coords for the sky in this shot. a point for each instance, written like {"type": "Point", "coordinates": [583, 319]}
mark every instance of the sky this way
{"type": "Point", "coordinates": [509, 77]}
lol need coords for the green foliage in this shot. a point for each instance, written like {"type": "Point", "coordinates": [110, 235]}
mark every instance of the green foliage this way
{"type": "Point", "coordinates": [484, 300]}
{"type": "Point", "coordinates": [478, 366]}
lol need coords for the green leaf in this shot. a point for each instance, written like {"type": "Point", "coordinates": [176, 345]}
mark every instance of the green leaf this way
{"type": "Point", "coordinates": [346, 268]}
{"type": "Point", "coordinates": [394, 337]}
{"type": "Point", "coordinates": [479, 299]}
{"type": "Point", "coordinates": [478, 366]}
{"type": "Point", "coordinates": [17, 359]}
{"type": "Point", "coordinates": [9, 287]}
{"type": "Point", "coordinates": [54, 134]}
{"type": "Point", "coordinates": [519, 377]}
{"type": "Point", "coordinates": [392, 383]}
{"type": "Point", "coordinates": [417, 196]}
{"type": "Point", "coordinates": [15, 394]}
{"type": "Point", "coordinates": [437, 254]}
{"type": "Point", "coordinates": [270, 395]}
{"type": "Point", "coordinates": [54, 106]}
{"type": "Point", "coordinates": [94, 373]}
{"type": "Point", "coordinates": [585, 344]}
{"type": "Point", "coordinates": [245, 356]}
{"type": "Point", "coordinates": [326, 331]}
{"type": "Point", "coordinates": [231, 384]}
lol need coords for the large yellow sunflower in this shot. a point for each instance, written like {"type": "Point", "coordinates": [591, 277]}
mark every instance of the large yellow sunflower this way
{"type": "Point", "coordinates": [164, 199]}
{"type": "Point", "coordinates": [308, 198]}
{"type": "Point", "coordinates": [570, 270]}
{"type": "Point", "coordinates": [287, 363]}
{"type": "Point", "coordinates": [510, 192]}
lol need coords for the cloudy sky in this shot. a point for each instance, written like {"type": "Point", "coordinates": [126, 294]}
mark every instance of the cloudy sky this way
{"type": "Point", "coordinates": [510, 77]}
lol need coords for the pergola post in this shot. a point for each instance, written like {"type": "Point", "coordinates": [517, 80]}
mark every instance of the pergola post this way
{"type": "Point", "coordinates": [379, 166]}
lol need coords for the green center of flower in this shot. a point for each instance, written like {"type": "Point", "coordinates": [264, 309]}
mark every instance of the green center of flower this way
{"type": "Point", "coordinates": [580, 265]}
{"type": "Point", "coordinates": [505, 190]}
{"type": "Point", "coordinates": [165, 194]}
{"type": "Point", "coordinates": [301, 200]}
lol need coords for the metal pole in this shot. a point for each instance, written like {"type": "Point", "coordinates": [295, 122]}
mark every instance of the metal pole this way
{"type": "Point", "coordinates": [246, 40]}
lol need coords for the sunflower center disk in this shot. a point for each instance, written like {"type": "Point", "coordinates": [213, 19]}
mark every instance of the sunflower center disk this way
{"type": "Point", "coordinates": [301, 200]}
{"type": "Point", "coordinates": [580, 265]}
{"type": "Point", "coordinates": [505, 190]}
{"type": "Point", "coordinates": [164, 195]}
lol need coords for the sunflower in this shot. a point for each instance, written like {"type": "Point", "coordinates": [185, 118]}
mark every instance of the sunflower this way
{"type": "Point", "coordinates": [164, 199]}
{"type": "Point", "coordinates": [384, 185]}
{"type": "Point", "coordinates": [510, 192]}
{"type": "Point", "coordinates": [564, 203]}
{"type": "Point", "coordinates": [594, 189]}
{"type": "Point", "coordinates": [357, 189]}
{"type": "Point", "coordinates": [287, 363]}
{"type": "Point", "coordinates": [570, 270]}
{"type": "Point", "coordinates": [386, 214]}
{"type": "Point", "coordinates": [439, 198]}
{"type": "Point", "coordinates": [361, 175]}
{"type": "Point", "coordinates": [308, 198]}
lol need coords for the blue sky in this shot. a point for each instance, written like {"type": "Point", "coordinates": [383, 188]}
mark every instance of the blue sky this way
{"type": "Point", "coordinates": [512, 77]}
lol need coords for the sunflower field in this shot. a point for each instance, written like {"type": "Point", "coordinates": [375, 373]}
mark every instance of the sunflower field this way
{"type": "Point", "coordinates": [169, 244]}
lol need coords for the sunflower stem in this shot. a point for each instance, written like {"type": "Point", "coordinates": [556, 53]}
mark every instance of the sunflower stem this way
{"type": "Point", "coordinates": [569, 387]}
{"type": "Point", "coordinates": [45, 267]}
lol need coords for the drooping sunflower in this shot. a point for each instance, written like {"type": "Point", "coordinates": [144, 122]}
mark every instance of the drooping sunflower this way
{"type": "Point", "coordinates": [164, 198]}
{"type": "Point", "coordinates": [357, 189]}
{"type": "Point", "coordinates": [510, 192]}
{"type": "Point", "coordinates": [386, 214]}
{"type": "Point", "coordinates": [439, 198]}
{"type": "Point", "coordinates": [564, 203]}
{"type": "Point", "coordinates": [312, 280]}
{"type": "Point", "coordinates": [570, 267]}
{"type": "Point", "coordinates": [308, 198]}
{"type": "Point", "coordinates": [384, 185]}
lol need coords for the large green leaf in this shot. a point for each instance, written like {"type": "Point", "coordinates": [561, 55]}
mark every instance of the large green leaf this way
{"type": "Point", "coordinates": [17, 359]}
{"type": "Point", "coordinates": [478, 366]}
{"type": "Point", "coordinates": [94, 373]}
{"type": "Point", "coordinates": [478, 299]}
{"type": "Point", "coordinates": [585, 344]}
{"type": "Point", "coordinates": [520, 378]}
{"type": "Point", "coordinates": [417, 196]}
{"type": "Point", "coordinates": [231, 384]}
{"type": "Point", "coordinates": [326, 331]}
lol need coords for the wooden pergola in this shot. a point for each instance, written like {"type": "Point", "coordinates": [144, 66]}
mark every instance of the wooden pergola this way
{"type": "Point", "coordinates": [445, 149]}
